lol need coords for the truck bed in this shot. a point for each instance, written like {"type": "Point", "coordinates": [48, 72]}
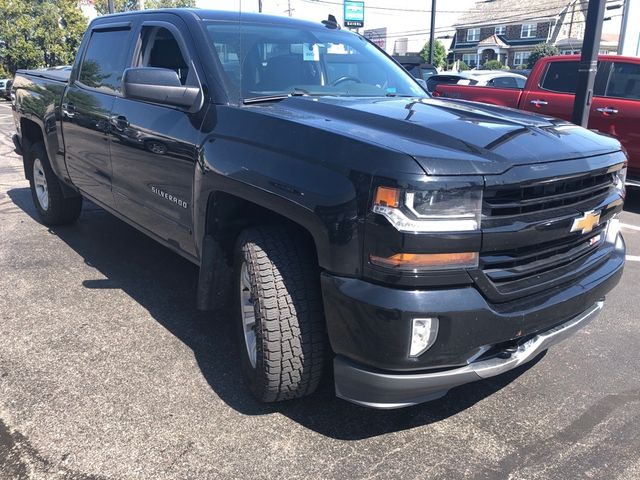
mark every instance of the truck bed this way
{"type": "Point", "coordinates": [505, 97]}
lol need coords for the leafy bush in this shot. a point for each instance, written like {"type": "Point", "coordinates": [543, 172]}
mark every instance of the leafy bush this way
{"type": "Point", "coordinates": [540, 51]}
{"type": "Point", "coordinates": [462, 66]}
{"type": "Point", "coordinates": [493, 65]}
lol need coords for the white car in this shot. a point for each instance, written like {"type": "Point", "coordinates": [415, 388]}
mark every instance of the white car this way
{"type": "Point", "coordinates": [492, 78]}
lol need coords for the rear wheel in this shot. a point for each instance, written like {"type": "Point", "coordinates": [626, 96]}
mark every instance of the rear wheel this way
{"type": "Point", "coordinates": [52, 206]}
{"type": "Point", "coordinates": [280, 320]}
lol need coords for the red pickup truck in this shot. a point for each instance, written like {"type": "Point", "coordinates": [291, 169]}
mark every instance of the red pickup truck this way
{"type": "Point", "coordinates": [550, 89]}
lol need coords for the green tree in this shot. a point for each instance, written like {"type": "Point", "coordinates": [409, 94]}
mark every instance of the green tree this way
{"type": "Point", "coordinates": [128, 5]}
{"type": "Point", "coordinates": [439, 54]}
{"type": "Point", "coordinates": [39, 33]}
{"type": "Point", "coordinates": [493, 65]}
{"type": "Point", "coordinates": [462, 66]}
{"type": "Point", "coordinates": [540, 51]}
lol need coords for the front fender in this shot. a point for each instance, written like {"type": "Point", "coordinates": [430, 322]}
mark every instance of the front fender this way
{"type": "Point", "coordinates": [321, 200]}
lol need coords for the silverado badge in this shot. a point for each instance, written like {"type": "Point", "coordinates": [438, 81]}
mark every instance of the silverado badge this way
{"type": "Point", "coordinates": [586, 222]}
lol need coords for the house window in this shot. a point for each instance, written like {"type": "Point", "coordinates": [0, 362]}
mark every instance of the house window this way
{"type": "Point", "coordinates": [471, 59]}
{"type": "Point", "coordinates": [569, 52]}
{"type": "Point", "coordinates": [502, 30]}
{"type": "Point", "coordinates": [529, 30]}
{"type": "Point", "coordinates": [521, 58]}
{"type": "Point", "coordinates": [473, 35]}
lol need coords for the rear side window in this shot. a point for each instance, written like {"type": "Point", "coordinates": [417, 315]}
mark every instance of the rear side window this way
{"type": "Point", "coordinates": [104, 60]}
{"type": "Point", "coordinates": [624, 81]}
{"type": "Point", "coordinates": [561, 77]}
{"type": "Point", "coordinates": [503, 82]}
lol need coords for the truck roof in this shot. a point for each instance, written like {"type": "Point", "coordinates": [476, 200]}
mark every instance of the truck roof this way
{"type": "Point", "coordinates": [222, 15]}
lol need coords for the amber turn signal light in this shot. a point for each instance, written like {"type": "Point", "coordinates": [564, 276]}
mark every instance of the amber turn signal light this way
{"type": "Point", "coordinates": [427, 260]}
{"type": "Point", "coordinates": [387, 197]}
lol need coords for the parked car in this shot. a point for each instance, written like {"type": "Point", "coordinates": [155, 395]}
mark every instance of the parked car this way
{"type": "Point", "coordinates": [416, 66]}
{"type": "Point", "coordinates": [7, 90]}
{"type": "Point", "coordinates": [418, 243]}
{"type": "Point", "coordinates": [550, 91]}
{"type": "Point", "coordinates": [5, 86]}
{"type": "Point", "coordinates": [485, 78]}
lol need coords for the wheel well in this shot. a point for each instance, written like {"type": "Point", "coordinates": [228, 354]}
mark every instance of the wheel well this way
{"type": "Point", "coordinates": [31, 133]}
{"type": "Point", "coordinates": [228, 215]}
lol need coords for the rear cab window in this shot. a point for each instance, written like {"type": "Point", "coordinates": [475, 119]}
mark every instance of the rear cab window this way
{"type": "Point", "coordinates": [104, 60]}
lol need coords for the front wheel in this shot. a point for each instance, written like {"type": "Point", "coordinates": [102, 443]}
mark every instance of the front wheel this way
{"type": "Point", "coordinates": [52, 206]}
{"type": "Point", "coordinates": [280, 319]}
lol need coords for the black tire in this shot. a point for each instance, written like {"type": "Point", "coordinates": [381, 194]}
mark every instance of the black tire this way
{"type": "Point", "coordinates": [58, 210]}
{"type": "Point", "coordinates": [289, 318]}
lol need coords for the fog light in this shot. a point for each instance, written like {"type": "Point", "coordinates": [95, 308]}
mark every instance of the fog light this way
{"type": "Point", "coordinates": [423, 335]}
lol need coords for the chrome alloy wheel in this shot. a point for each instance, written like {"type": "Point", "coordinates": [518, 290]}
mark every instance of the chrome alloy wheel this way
{"type": "Point", "coordinates": [248, 314]}
{"type": "Point", "coordinates": [40, 184]}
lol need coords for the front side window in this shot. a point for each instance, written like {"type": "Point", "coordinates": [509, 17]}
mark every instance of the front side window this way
{"type": "Point", "coordinates": [473, 35]}
{"type": "Point", "coordinates": [261, 60]}
{"type": "Point", "coordinates": [624, 81]}
{"type": "Point", "coordinates": [104, 60]}
{"type": "Point", "coordinates": [529, 30]}
{"type": "Point", "coordinates": [160, 49]}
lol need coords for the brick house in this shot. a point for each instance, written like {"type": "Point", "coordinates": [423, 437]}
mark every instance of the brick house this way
{"type": "Point", "coordinates": [507, 30]}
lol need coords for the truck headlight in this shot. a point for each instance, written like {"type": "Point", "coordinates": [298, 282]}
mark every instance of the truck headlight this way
{"type": "Point", "coordinates": [436, 210]}
{"type": "Point", "coordinates": [619, 181]}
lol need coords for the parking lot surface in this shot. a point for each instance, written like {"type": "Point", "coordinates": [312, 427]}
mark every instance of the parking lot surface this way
{"type": "Point", "coordinates": [107, 371]}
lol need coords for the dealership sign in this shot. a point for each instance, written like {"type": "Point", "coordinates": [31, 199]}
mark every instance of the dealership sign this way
{"type": "Point", "coordinates": [353, 14]}
{"type": "Point", "coordinates": [377, 36]}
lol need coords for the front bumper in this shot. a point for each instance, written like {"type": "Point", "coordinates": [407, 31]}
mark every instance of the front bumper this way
{"type": "Point", "coordinates": [384, 390]}
{"type": "Point", "coordinates": [369, 329]}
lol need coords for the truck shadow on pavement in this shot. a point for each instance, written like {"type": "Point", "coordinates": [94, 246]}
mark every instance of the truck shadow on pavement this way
{"type": "Point", "coordinates": [165, 284]}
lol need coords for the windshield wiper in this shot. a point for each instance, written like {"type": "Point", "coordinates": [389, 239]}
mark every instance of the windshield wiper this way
{"type": "Point", "coordinates": [296, 92]}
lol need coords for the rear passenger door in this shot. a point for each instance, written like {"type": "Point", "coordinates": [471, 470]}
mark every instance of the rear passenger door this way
{"type": "Point", "coordinates": [617, 112]}
{"type": "Point", "coordinates": [555, 92]}
{"type": "Point", "coordinates": [153, 146]}
{"type": "Point", "coordinates": [86, 109]}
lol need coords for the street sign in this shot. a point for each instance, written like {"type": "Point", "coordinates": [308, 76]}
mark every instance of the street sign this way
{"type": "Point", "coordinates": [353, 14]}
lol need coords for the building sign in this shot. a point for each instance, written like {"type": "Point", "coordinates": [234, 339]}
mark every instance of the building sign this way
{"type": "Point", "coordinates": [377, 36]}
{"type": "Point", "coordinates": [353, 14]}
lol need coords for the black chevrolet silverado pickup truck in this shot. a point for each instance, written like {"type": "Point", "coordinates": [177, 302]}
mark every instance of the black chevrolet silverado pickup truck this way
{"type": "Point", "coordinates": [417, 243]}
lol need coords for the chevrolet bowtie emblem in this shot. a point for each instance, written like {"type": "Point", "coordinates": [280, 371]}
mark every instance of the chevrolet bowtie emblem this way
{"type": "Point", "coordinates": [586, 222]}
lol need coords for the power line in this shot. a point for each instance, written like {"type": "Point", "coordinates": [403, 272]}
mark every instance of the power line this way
{"type": "Point", "coordinates": [426, 32]}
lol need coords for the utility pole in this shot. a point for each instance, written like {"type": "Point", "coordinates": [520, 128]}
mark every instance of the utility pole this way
{"type": "Point", "coordinates": [260, 6]}
{"type": "Point", "coordinates": [110, 6]}
{"type": "Point", "coordinates": [588, 65]}
{"type": "Point", "coordinates": [432, 31]}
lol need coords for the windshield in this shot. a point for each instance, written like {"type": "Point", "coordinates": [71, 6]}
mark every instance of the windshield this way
{"type": "Point", "coordinates": [262, 60]}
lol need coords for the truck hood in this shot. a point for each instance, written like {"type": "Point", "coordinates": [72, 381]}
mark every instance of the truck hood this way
{"type": "Point", "coordinates": [448, 137]}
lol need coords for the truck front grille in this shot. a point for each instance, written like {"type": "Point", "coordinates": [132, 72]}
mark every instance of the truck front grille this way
{"type": "Point", "coordinates": [546, 195]}
{"type": "Point", "coordinates": [527, 243]}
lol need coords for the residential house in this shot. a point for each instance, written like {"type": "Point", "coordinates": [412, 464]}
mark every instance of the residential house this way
{"type": "Point", "coordinates": [507, 30]}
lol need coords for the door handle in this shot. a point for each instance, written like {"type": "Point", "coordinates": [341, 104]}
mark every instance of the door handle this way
{"type": "Point", "coordinates": [538, 103]}
{"type": "Point", "coordinates": [607, 111]}
{"type": "Point", "coordinates": [120, 122]}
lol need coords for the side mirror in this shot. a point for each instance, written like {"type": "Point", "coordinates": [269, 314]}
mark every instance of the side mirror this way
{"type": "Point", "coordinates": [158, 85]}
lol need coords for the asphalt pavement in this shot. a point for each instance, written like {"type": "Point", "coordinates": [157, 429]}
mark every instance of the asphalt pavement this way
{"type": "Point", "coordinates": [107, 371]}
